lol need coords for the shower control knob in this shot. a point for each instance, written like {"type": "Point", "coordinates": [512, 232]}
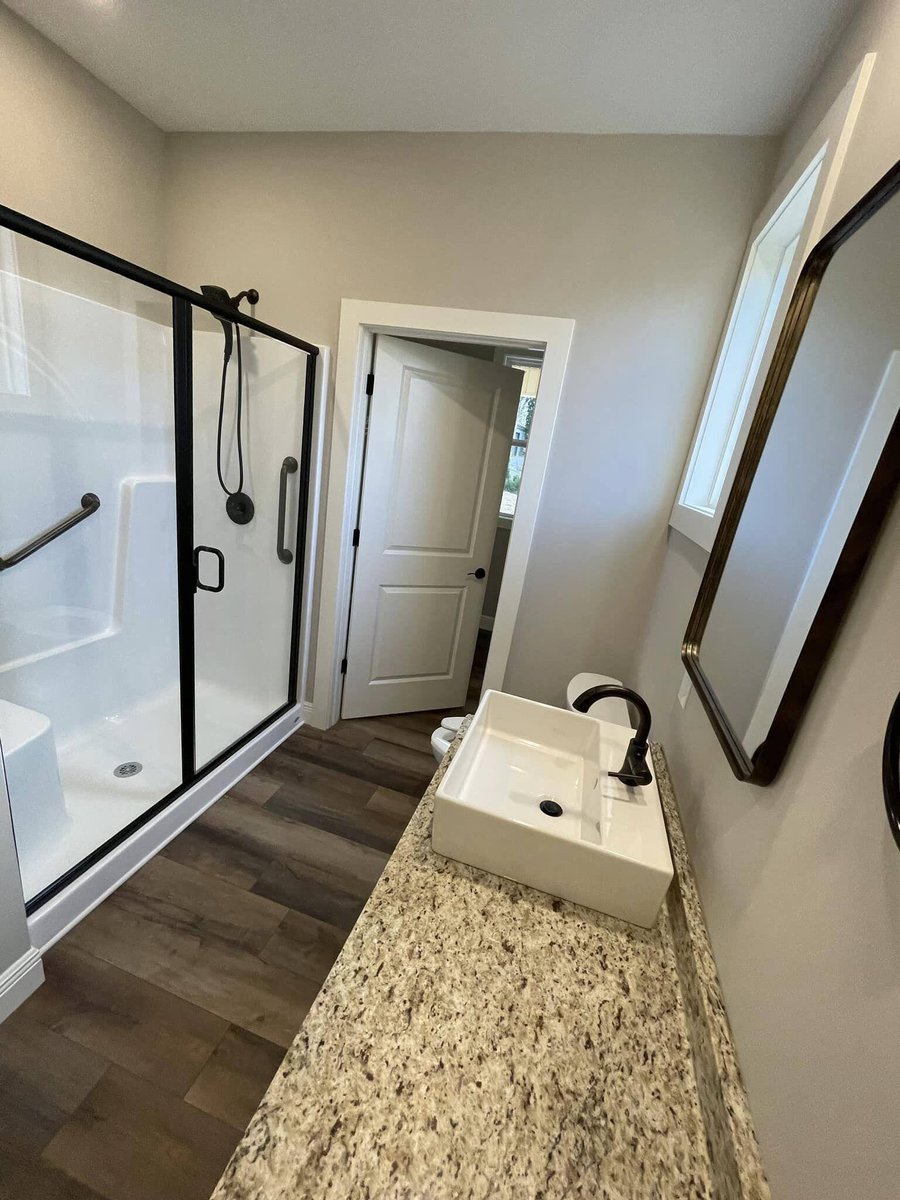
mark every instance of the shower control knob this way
{"type": "Point", "coordinates": [478, 573]}
{"type": "Point", "coordinates": [240, 508]}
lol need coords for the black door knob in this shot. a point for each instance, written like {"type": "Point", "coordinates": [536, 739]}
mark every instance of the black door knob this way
{"type": "Point", "coordinates": [478, 573]}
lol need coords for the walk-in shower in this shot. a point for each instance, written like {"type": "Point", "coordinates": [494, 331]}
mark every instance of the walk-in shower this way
{"type": "Point", "coordinates": [145, 635]}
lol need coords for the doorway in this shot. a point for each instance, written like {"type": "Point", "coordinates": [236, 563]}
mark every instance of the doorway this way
{"type": "Point", "coordinates": [493, 338]}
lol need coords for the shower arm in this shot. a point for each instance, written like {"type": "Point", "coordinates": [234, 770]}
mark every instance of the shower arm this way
{"type": "Point", "coordinates": [89, 504]}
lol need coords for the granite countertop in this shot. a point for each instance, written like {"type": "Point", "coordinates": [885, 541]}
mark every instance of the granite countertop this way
{"type": "Point", "coordinates": [477, 1038]}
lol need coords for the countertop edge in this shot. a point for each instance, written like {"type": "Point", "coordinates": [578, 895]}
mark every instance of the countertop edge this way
{"type": "Point", "coordinates": [733, 1145]}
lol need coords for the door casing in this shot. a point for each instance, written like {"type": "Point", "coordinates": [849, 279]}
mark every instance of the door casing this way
{"type": "Point", "coordinates": [360, 322]}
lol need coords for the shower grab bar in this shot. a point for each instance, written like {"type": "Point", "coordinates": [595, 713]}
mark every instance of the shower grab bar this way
{"type": "Point", "coordinates": [89, 504]}
{"type": "Point", "coordinates": [288, 467]}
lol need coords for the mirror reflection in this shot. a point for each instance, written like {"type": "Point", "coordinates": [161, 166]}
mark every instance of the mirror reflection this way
{"type": "Point", "coordinates": [836, 411]}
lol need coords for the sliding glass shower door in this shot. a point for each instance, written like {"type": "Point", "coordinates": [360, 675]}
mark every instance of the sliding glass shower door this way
{"type": "Point", "coordinates": [248, 407]}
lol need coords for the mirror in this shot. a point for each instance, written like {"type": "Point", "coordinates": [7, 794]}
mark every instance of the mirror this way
{"type": "Point", "coordinates": [816, 479]}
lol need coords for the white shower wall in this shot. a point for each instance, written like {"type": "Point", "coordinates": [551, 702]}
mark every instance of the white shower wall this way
{"type": "Point", "coordinates": [99, 603]}
{"type": "Point", "coordinates": [242, 635]}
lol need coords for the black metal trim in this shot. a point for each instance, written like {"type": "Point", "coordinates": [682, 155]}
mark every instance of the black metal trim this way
{"type": "Point", "coordinates": [182, 339]}
{"type": "Point", "coordinates": [19, 223]}
{"type": "Point", "coordinates": [113, 843]}
{"type": "Point", "coordinates": [309, 398]}
{"type": "Point", "coordinates": [890, 771]}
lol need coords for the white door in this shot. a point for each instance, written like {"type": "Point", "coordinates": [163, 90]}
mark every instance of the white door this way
{"type": "Point", "coordinates": [440, 425]}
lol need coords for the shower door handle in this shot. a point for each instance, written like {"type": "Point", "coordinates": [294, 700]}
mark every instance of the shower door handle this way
{"type": "Point", "coordinates": [220, 557]}
{"type": "Point", "coordinates": [288, 467]}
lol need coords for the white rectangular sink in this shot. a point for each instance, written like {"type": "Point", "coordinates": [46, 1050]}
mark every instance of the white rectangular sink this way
{"type": "Point", "coordinates": [608, 850]}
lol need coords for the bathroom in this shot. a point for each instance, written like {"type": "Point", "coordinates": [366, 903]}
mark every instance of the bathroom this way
{"type": "Point", "coordinates": [592, 206]}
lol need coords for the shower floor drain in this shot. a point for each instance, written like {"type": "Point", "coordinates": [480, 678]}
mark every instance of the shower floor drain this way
{"type": "Point", "coordinates": [126, 770]}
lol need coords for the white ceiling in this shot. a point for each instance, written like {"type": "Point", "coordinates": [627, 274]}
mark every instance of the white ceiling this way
{"type": "Point", "coordinates": [579, 66]}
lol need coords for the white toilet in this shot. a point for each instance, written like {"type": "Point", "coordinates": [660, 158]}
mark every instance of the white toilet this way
{"type": "Point", "coordinates": [613, 709]}
{"type": "Point", "coordinates": [441, 738]}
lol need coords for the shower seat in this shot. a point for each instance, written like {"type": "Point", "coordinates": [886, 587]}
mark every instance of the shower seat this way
{"type": "Point", "coordinates": [32, 774]}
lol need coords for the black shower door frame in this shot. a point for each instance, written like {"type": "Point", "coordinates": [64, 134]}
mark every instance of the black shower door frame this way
{"type": "Point", "coordinates": [184, 301]}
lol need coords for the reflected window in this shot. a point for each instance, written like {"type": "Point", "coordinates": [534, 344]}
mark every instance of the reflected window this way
{"type": "Point", "coordinates": [759, 294]}
{"type": "Point", "coordinates": [531, 378]}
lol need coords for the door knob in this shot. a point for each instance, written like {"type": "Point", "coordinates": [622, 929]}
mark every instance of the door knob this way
{"type": "Point", "coordinates": [478, 573]}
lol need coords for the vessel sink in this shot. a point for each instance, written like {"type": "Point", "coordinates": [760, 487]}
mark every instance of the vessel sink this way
{"type": "Point", "coordinates": [607, 849]}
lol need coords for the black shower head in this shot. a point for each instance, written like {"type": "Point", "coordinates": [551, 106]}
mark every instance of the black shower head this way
{"type": "Point", "coordinates": [219, 296]}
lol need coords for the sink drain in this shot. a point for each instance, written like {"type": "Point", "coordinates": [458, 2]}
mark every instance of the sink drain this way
{"type": "Point", "coordinates": [126, 770]}
{"type": "Point", "coordinates": [550, 808]}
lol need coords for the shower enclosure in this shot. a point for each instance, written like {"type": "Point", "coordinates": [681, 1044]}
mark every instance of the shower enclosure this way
{"type": "Point", "coordinates": [146, 639]}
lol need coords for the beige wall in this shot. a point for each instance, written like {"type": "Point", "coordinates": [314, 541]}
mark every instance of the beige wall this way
{"type": "Point", "coordinates": [72, 153]}
{"type": "Point", "coordinates": [801, 881]}
{"type": "Point", "coordinates": [637, 238]}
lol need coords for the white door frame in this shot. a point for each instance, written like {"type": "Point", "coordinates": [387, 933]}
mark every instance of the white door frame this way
{"type": "Point", "coordinates": [360, 321]}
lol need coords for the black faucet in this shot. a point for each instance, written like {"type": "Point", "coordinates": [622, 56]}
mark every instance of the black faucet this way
{"type": "Point", "coordinates": [635, 772]}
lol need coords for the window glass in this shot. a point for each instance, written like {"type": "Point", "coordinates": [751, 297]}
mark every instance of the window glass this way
{"type": "Point", "coordinates": [759, 295]}
{"type": "Point", "coordinates": [531, 378]}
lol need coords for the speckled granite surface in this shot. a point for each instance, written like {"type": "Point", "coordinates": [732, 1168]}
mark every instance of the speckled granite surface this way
{"type": "Point", "coordinates": [476, 1038]}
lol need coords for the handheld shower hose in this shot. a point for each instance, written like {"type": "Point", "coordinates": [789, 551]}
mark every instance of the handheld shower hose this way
{"type": "Point", "coordinates": [238, 505]}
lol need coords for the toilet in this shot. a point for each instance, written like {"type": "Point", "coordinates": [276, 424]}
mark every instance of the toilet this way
{"type": "Point", "coordinates": [441, 738]}
{"type": "Point", "coordinates": [613, 709]}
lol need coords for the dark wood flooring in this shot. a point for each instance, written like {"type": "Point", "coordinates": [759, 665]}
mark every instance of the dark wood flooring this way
{"type": "Point", "coordinates": [132, 1072]}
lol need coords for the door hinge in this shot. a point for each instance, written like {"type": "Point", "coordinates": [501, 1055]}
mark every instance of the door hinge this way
{"type": "Point", "coordinates": [343, 666]}
{"type": "Point", "coordinates": [355, 537]}
{"type": "Point", "coordinates": [370, 383]}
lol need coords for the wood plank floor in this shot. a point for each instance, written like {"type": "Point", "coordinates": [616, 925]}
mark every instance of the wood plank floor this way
{"type": "Point", "coordinates": [132, 1072]}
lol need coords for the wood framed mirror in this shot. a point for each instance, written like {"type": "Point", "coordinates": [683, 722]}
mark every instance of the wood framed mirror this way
{"type": "Point", "coordinates": [816, 479]}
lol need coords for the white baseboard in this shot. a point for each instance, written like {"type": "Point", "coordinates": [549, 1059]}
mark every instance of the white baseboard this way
{"type": "Point", "coordinates": [18, 982]}
{"type": "Point", "coordinates": [316, 715]}
{"type": "Point", "coordinates": [55, 918]}
{"type": "Point", "coordinates": [486, 622]}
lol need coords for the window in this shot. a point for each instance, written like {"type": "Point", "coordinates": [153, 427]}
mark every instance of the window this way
{"type": "Point", "coordinates": [769, 264]}
{"type": "Point", "coordinates": [787, 229]}
{"type": "Point", "coordinates": [531, 378]}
